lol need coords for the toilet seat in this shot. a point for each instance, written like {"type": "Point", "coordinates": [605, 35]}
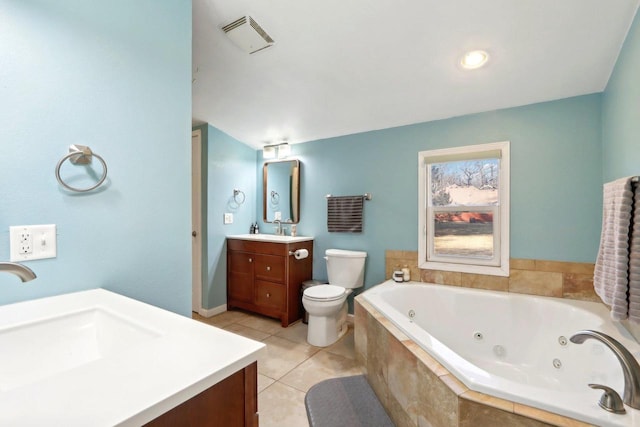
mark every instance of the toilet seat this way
{"type": "Point", "coordinates": [325, 293]}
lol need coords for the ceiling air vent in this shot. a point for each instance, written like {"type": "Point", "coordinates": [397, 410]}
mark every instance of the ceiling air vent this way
{"type": "Point", "coordinates": [247, 35]}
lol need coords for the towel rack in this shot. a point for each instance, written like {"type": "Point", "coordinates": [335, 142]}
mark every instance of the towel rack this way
{"type": "Point", "coordinates": [366, 196]}
{"type": "Point", "coordinates": [238, 194]}
{"type": "Point", "coordinates": [81, 155]}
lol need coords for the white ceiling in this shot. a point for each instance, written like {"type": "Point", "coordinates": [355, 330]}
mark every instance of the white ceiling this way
{"type": "Point", "coordinates": [345, 66]}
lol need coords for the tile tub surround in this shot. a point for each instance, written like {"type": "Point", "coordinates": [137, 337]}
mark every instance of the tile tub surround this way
{"type": "Point", "coordinates": [417, 391]}
{"type": "Point", "coordinates": [573, 280]}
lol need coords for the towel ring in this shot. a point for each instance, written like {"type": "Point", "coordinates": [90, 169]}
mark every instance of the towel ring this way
{"type": "Point", "coordinates": [81, 155]}
{"type": "Point", "coordinates": [237, 193]}
{"type": "Point", "coordinates": [275, 197]}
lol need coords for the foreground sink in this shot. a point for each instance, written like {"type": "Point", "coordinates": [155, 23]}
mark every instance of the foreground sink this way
{"type": "Point", "coordinates": [98, 358]}
{"type": "Point", "coordinates": [36, 350]}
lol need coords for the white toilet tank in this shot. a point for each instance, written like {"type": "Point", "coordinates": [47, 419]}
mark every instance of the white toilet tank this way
{"type": "Point", "coordinates": [345, 268]}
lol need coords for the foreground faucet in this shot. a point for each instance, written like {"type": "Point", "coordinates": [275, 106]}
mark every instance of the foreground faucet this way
{"type": "Point", "coordinates": [23, 272]}
{"type": "Point", "coordinates": [630, 367]}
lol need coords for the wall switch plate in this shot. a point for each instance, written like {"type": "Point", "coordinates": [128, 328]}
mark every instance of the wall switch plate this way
{"type": "Point", "coordinates": [27, 242]}
{"type": "Point", "coordinates": [228, 218]}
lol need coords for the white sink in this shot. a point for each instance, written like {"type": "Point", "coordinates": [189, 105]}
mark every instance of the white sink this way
{"type": "Point", "coordinates": [100, 359]}
{"type": "Point", "coordinates": [36, 350]}
{"type": "Point", "coordinates": [274, 238]}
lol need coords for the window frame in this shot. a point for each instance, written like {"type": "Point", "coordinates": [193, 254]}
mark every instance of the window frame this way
{"type": "Point", "coordinates": [499, 266]}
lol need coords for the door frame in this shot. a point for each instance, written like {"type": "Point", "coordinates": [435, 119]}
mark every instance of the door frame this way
{"type": "Point", "coordinates": [196, 221]}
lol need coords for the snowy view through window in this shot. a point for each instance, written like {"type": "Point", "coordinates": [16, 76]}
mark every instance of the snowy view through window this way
{"type": "Point", "coordinates": [465, 198]}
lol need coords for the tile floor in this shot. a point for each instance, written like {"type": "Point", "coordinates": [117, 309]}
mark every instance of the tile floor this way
{"type": "Point", "coordinates": [289, 366]}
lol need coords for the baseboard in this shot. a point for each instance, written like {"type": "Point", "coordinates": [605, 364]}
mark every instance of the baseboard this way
{"type": "Point", "coordinates": [208, 312]}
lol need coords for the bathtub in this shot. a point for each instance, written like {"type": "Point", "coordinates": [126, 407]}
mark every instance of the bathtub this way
{"type": "Point", "coordinates": [515, 347]}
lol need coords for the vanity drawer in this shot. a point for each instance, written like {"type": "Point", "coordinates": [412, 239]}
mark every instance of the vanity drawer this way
{"type": "Point", "coordinates": [269, 267]}
{"type": "Point", "coordinates": [270, 295]}
{"type": "Point", "coordinates": [267, 248]}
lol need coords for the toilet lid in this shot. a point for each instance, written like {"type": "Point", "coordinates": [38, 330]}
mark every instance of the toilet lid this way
{"type": "Point", "coordinates": [324, 292]}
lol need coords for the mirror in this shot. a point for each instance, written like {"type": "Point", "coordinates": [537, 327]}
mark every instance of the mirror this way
{"type": "Point", "coordinates": [281, 191]}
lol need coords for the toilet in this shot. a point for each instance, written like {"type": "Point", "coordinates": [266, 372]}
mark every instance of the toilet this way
{"type": "Point", "coordinates": [327, 304]}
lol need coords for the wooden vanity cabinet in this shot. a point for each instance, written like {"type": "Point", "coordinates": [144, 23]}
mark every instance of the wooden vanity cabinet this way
{"type": "Point", "coordinates": [233, 402]}
{"type": "Point", "coordinates": [264, 278]}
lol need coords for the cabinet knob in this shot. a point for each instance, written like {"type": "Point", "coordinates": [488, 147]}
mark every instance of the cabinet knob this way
{"type": "Point", "coordinates": [250, 260]}
{"type": "Point", "coordinates": [268, 268]}
{"type": "Point", "coordinates": [268, 295]}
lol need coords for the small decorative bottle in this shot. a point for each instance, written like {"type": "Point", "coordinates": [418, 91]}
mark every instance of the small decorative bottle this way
{"type": "Point", "coordinates": [406, 273]}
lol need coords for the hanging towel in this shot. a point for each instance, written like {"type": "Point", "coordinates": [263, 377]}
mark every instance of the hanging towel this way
{"type": "Point", "coordinates": [344, 213]}
{"type": "Point", "coordinates": [634, 258]}
{"type": "Point", "coordinates": [611, 278]}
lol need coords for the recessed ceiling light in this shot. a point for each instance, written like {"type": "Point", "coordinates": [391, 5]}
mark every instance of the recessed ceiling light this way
{"type": "Point", "coordinates": [474, 59]}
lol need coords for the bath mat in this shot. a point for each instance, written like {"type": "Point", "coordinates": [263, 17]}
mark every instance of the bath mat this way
{"type": "Point", "coordinates": [346, 401]}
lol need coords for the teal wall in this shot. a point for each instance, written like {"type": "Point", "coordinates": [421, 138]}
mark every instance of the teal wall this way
{"type": "Point", "coordinates": [621, 111]}
{"type": "Point", "coordinates": [230, 164]}
{"type": "Point", "coordinates": [555, 181]}
{"type": "Point", "coordinates": [115, 76]}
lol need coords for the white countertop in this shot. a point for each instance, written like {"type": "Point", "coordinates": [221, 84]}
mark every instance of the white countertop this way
{"type": "Point", "coordinates": [137, 362]}
{"type": "Point", "coordinates": [273, 238]}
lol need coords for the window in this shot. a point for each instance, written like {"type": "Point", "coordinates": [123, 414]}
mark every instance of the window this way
{"type": "Point", "coordinates": [464, 209]}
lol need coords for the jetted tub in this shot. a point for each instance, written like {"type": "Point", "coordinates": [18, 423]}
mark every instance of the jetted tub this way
{"type": "Point", "coordinates": [513, 346]}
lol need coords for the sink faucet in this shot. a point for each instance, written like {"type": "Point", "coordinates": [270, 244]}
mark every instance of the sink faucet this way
{"type": "Point", "coordinates": [279, 230]}
{"type": "Point", "coordinates": [23, 272]}
{"type": "Point", "coordinates": [630, 367]}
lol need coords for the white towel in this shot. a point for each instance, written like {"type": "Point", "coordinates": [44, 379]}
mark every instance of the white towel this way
{"type": "Point", "coordinates": [634, 259]}
{"type": "Point", "coordinates": [611, 278]}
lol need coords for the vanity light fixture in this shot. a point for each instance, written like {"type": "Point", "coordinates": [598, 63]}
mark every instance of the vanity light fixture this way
{"type": "Point", "coordinates": [474, 59]}
{"type": "Point", "coordinates": [281, 151]}
{"type": "Point", "coordinates": [284, 150]}
{"type": "Point", "coordinates": [269, 152]}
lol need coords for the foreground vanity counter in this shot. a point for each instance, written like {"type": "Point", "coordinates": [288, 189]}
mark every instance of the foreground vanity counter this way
{"type": "Point", "coordinates": [264, 276]}
{"type": "Point", "coordinates": [98, 358]}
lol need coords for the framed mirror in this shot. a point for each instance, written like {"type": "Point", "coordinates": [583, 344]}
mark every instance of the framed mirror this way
{"type": "Point", "coordinates": [281, 191]}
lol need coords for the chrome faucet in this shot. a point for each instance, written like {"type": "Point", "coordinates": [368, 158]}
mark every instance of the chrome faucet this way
{"type": "Point", "coordinates": [279, 230]}
{"type": "Point", "coordinates": [22, 271]}
{"type": "Point", "coordinates": [630, 367]}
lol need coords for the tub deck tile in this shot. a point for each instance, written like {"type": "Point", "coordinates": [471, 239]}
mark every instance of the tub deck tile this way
{"type": "Point", "coordinates": [426, 359]}
{"type": "Point", "coordinates": [454, 384]}
{"type": "Point", "coordinates": [548, 417]}
{"type": "Point", "coordinates": [485, 399]}
{"type": "Point", "coordinates": [474, 414]}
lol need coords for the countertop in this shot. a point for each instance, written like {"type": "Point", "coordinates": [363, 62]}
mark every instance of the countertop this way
{"type": "Point", "coordinates": [176, 359]}
{"type": "Point", "coordinates": [273, 238]}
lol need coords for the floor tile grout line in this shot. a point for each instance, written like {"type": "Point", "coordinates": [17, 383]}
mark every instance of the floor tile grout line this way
{"type": "Point", "coordinates": [290, 386]}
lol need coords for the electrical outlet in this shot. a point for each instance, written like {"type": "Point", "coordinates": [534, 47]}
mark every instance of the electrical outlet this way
{"type": "Point", "coordinates": [29, 242]}
{"type": "Point", "coordinates": [26, 242]}
{"type": "Point", "coordinates": [278, 215]}
{"type": "Point", "coordinates": [228, 218]}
